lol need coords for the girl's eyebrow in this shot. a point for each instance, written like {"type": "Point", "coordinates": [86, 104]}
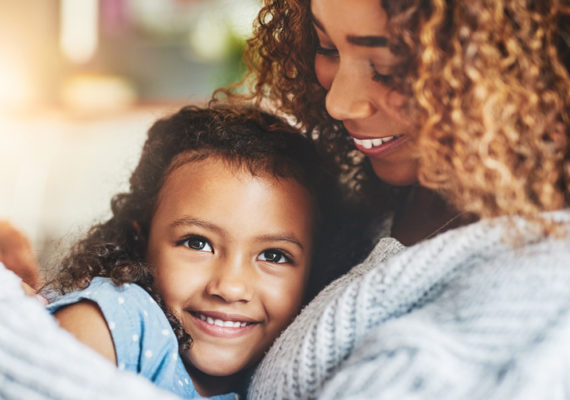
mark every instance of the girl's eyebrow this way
{"type": "Point", "coordinates": [281, 237]}
{"type": "Point", "coordinates": [364, 41]}
{"type": "Point", "coordinates": [183, 221]}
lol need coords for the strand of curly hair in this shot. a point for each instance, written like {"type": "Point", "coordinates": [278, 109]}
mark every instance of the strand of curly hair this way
{"type": "Point", "coordinates": [494, 106]}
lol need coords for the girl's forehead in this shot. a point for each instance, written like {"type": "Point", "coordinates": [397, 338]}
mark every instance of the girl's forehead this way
{"type": "Point", "coordinates": [209, 191]}
{"type": "Point", "coordinates": [209, 170]}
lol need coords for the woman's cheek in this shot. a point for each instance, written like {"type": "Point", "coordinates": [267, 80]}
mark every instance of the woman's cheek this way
{"type": "Point", "coordinates": [325, 71]}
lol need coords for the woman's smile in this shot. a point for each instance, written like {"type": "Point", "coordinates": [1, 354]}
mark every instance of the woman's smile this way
{"type": "Point", "coordinates": [379, 146]}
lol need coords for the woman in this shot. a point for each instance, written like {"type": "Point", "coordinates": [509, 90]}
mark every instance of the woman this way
{"type": "Point", "coordinates": [468, 103]}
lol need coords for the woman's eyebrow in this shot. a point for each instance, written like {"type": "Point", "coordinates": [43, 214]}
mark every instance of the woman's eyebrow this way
{"type": "Point", "coordinates": [368, 41]}
{"type": "Point", "coordinates": [365, 41]}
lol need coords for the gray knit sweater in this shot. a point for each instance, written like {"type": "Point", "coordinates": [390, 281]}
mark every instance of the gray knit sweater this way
{"type": "Point", "coordinates": [465, 315]}
{"type": "Point", "coordinates": [39, 360]}
{"type": "Point", "coordinates": [461, 316]}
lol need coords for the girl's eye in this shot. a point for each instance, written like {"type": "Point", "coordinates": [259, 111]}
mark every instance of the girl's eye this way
{"type": "Point", "coordinates": [274, 256]}
{"type": "Point", "coordinates": [197, 243]}
{"type": "Point", "coordinates": [327, 51]}
{"type": "Point", "coordinates": [378, 77]}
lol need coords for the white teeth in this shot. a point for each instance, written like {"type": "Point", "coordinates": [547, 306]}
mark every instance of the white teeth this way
{"type": "Point", "coordinates": [370, 143]}
{"type": "Point", "coordinates": [219, 322]}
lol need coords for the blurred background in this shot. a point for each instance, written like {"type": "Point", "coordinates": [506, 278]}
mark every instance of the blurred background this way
{"type": "Point", "coordinates": [80, 83]}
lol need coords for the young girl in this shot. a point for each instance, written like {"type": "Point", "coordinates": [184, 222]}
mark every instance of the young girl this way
{"type": "Point", "coordinates": [214, 238]}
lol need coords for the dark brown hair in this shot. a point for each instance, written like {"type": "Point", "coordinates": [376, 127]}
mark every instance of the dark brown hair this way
{"type": "Point", "coordinates": [242, 136]}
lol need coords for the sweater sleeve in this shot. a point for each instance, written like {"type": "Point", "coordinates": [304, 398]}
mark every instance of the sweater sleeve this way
{"type": "Point", "coordinates": [466, 314]}
{"type": "Point", "coordinates": [499, 329]}
{"type": "Point", "coordinates": [39, 360]}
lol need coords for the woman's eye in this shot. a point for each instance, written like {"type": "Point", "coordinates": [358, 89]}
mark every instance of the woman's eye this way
{"type": "Point", "coordinates": [198, 243]}
{"type": "Point", "coordinates": [274, 256]}
{"type": "Point", "coordinates": [378, 77]}
{"type": "Point", "coordinates": [327, 51]}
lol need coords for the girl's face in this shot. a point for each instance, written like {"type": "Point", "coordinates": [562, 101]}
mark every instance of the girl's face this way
{"type": "Point", "coordinates": [231, 256]}
{"type": "Point", "coordinates": [353, 63]}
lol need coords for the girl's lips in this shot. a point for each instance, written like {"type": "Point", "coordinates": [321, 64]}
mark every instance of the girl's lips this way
{"type": "Point", "coordinates": [378, 150]}
{"type": "Point", "coordinates": [221, 325]}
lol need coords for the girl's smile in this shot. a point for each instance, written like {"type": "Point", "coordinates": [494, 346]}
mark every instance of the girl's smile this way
{"type": "Point", "coordinates": [223, 326]}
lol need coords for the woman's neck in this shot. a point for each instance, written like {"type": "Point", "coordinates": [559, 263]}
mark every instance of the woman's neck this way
{"type": "Point", "coordinates": [424, 215]}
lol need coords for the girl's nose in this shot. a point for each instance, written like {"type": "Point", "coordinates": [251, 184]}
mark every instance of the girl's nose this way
{"type": "Point", "coordinates": [347, 97]}
{"type": "Point", "coordinates": [230, 282]}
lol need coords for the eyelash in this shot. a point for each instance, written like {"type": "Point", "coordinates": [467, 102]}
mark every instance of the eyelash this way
{"type": "Point", "coordinates": [205, 242]}
{"type": "Point", "coordinates": [186, 242]}
{"type": "Point", "coordinates": [280, 253]}
{"type": "Point", "coordinates": [327, 52]}
{"type": "Point", "coordinates": [378, 77]}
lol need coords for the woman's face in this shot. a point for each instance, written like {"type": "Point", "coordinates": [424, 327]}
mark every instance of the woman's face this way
{"type": "Point", "coordinates": [353, 63]}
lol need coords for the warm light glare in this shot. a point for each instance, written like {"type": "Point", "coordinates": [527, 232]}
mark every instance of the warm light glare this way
{"type": "Point", "coordinates": [79, 29]}
{"type": "Point", "coordinates": [15, 86]}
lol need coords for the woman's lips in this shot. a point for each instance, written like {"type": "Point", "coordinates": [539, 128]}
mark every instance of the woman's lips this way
{"type": "Point", "coordinates": [376, 147]}
{"type": "Point", "coordinates": [222, 325]}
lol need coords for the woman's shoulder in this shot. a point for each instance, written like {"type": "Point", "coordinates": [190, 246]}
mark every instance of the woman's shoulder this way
{"type": "Point", "coordinates": [500, 310]}
{"type": "Point", "coordinates": [473, 265]}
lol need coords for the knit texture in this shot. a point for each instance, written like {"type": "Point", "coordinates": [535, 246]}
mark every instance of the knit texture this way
{"type": "Point", "coordinates": [38, 360]}
{"type": "Point", "coordinates": [467, 314]}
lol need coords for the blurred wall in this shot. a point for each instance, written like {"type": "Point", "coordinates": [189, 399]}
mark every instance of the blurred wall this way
{"type": "Point", "coordinates": [71, 129]}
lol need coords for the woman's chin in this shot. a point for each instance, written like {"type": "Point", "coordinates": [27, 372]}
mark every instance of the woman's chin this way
{"type": "Point", "coordinates": [397, 175]}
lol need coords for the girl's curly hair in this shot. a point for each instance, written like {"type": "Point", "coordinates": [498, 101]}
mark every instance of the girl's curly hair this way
{"type": "Point", "coordinates": [488, 88]}
{"type": "Point", "coordinates": [242, 136]}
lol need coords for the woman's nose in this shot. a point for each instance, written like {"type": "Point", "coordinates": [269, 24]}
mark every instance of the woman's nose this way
{"type": "Point", "coordinates": [230, 282]}
{"type": "Point", "coordinates": [347, 97]}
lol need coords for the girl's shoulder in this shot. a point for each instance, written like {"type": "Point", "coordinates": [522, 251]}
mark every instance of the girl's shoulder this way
{"type": "Point", "coordinates": [104, 292]}
{"type": "Point", "coordinates": [143, 339]}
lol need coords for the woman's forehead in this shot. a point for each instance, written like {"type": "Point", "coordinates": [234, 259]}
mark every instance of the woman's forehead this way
{"type": "Point", "coordinates": [350, 18]}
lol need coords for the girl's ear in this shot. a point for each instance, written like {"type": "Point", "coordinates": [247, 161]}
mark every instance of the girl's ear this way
{"type": "Point", "coordinates": [136, 227]}
{"type": "Point", "coordinates": [138, 236]}
{"type": "Point", "coordinates": [139, 240]}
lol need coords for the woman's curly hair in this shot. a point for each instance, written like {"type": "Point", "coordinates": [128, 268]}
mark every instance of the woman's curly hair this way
{"type": "Point", "coordinates": [242, 136]}
{"type": "Point", "coordinates": [488, 88]}
{"type": "Point", "coordinates": [493, 94]}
